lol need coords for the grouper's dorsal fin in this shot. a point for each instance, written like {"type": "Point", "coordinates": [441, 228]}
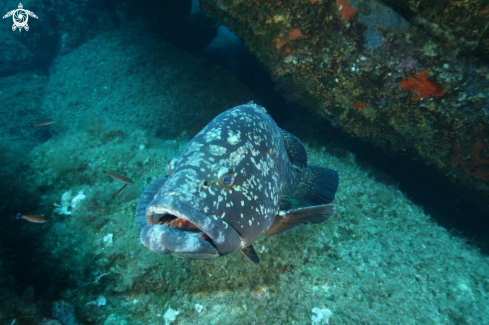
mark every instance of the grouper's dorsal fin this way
{"type": "Point", "coordinates": [292, 219]}
{"type": "Point", "coordinates": [250, 253]}
{"type": "Point", "coordinates": [295, 149]}
{"type": "Point", "coordinates": [147, 196]}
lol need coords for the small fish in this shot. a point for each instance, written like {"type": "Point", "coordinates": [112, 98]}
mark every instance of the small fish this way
{"type": "Point", "coordinates": [43, 122]}
{"type": "Point", "coordinates": [231, 186]}
{"type": "Point", "coordinates": [120, 178]}
{"type": "Point", "coordinates": [31, 218]}
{"type": "Point", "coordinates": [119, 192]}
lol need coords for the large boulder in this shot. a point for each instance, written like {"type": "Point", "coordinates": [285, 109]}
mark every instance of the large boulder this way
{"type": "Point", "coordinates": [371, 72]}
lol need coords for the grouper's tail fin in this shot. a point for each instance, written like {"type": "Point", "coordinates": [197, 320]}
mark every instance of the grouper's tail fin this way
{"type": "Point", "coordinates": [318, 185]}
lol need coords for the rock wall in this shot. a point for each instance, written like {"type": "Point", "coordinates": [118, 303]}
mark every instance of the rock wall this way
{"type": "Point", "coordinates": [369, 71]}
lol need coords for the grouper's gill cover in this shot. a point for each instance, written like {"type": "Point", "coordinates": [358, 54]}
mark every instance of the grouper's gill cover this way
{"type": "Point", "coordinates": [226, 189]}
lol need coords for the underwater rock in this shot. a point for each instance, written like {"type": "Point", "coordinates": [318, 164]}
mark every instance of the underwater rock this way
{"type": "Point", "coordinates": [369, 71]}
{"type": "Point", "coordinates": [61, 27]}
{"type": "Point", "coordinates": [64, 312]}
{"type": "Point", "coordinates": [137, 82]}
{"type": "Point", "coordinates": [14, 56]}
{"type": "Point", "coordinates": [27, 302]}
{"type": "Point", "coordinates": [114, 319]}
{"type": "Point", "coordinates": [460, 24]}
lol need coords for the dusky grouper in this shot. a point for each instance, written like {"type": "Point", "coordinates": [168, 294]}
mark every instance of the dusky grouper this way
{"type": "Point", "coordinates": [231, 185]}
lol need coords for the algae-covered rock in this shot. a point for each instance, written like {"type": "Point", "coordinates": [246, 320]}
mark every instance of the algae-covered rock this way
{"type": "Point", "coordinates": [14, 56]}
{"type": "Point", "coordinates": [113, 319]}
{"type": "Point", "coordinates": [60, 27]}
{"type": "Point", "coordinates": [137, 82]}
{"type": "Point", "coordinates": [369, 71]}
{"type": "Point", "coordinates": [463, 24]}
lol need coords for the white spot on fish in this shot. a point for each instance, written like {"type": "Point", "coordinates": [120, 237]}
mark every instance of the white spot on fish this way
{"type": "Point", "coordinates": [221, 238]}
{"type": "Point", "coordinates": [237, 156]}
{"type": "Point", "coordinates": [217, 150]}
{"type": "Point", "coordinates": [193, 146]}
{"type": "Point", "coordinates": [234, 138]}
{"type": "Point", "coordinates": [212, 134]}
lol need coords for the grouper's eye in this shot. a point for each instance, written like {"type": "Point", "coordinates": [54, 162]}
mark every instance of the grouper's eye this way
{"type": "Point", "coordinates": [226, 177]}
{"type": "Point", "coordinates": [227, 180]}
{"type": "Point", "coordinates": [170, 166]}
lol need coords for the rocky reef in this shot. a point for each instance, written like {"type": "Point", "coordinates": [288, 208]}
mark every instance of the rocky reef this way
{"type": "Point", "coordinates": [116, 86]}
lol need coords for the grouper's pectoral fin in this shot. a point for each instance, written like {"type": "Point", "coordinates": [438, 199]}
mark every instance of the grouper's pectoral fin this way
{"type": "Point", "coordinates": [250, 253]}
{"type": "Point", "coordinates": [292, 219]}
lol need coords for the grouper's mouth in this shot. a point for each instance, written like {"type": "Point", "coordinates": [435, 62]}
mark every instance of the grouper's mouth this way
{"type": "Point", "coordinates": [170, 220]}
{"type": "Point", "coordinates": [175, 227]}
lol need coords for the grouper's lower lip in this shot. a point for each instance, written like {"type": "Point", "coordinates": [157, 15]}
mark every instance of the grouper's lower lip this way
{"type": "Point", "coordinates": [174, 227]}
{"type": "Point", "coordinates": [180, 243]}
